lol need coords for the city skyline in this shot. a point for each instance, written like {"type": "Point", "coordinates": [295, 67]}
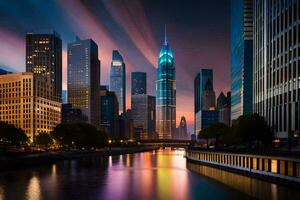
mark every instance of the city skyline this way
{"type": "Point", "coordinates": [115, 28]}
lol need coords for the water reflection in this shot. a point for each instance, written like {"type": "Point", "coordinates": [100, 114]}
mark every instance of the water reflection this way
{"type": "Point", "coordinates": [151, 175]}
{"type": "Point", "coordinates": [253, 187]}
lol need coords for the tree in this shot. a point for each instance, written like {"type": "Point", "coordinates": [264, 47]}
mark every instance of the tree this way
{"type": "Point", "coordinates": [44, 139]}
{"type": "Point", "coordinates": [252, 129]}
{"type": "Point", "coordinates": [215, 131]}
{"type": "Point", "coordinates": [11, 135]}
{"type": "Point", "coordinates": [79, 135]}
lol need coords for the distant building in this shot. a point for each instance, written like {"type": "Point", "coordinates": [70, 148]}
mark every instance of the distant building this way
{"type": "Point", "coordinates": [64, 96]}
{"type": "Point", "coordinates": [143, 115]}
{"type": "Point", "coordinates": [138, 83]}
{"type": "Point", "coordinates": [27, 101]}
{"type": "Point", "coordinates": [276, 86]}
{"type": "Point", "coordinates": [44, 57]}
{"type": "Point", "coordinates": [126, 128]}
{"type": "Point", "coordinates": [207, 118]}
{"type": "Point", "coordinates": [182, 129]}
{"type": "Point", "coordinates": [118, 79]}
{"type": "Point", "coordinates": [203, 96]}
{"type": "Point", "coordinates": [84, 78]}
{"type": "Point", "coordinates": [72, 115]}
{"type": "Point", "coordinates": [223, 106]}
{"type": "Point", "coordinates": [109, 112]}
{"type": "Point", "coordinates": [3, 71]}
{"type": "Point", "coordinates": [166, 93]}
{"type": "Point", "coordinates": [241, 53]}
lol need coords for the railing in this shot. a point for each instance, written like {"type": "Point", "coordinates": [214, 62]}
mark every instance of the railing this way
{"type": "Point", "coordinates": [285, 168]}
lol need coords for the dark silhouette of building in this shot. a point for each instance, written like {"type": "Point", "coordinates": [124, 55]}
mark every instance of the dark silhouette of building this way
{"type": "Point", "coordinates": [182, 129]}
{"type": "Point", "coordinates": [109, 112]}
{"type": "Point", "coordinates": [223, 106]}
{"type": "Point", "coordinates": [138, 83]}
{"type": "Point", "coordinates": [72, 115]}
{"type": "Point", "coordinates": [44, 57]}
{"type": "Point", "coordinates": [84, 78]}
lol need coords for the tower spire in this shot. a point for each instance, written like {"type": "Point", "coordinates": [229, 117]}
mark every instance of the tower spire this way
{"type": "Point", "coordinates": [166, 41]}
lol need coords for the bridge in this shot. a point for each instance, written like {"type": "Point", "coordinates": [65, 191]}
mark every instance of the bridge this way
{"type": "Point", "coordinates": [166, 143]}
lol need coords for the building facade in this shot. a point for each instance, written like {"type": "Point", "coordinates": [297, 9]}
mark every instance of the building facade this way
{"type": "Point", "coordinates": [138, 83]}
{"type": "Point", "coordinates": [84, 78]}
{"type": "Point", "coordinates": [143, 115]}
{"type": "Point", "coordinates": [276, 64]}
{"type": "Point", "coordinates": [203, 80]}
{"type": "Point", "coordinates": [223, 106]}
{"type": "Point", "coordinates": [109, 112]}
{"type": "Point", "coordinates": [72, 115]}
{"type": "Point", "coordinates": [241, 57]}
{"type": "Point", "coordinates": [26, 101]}
{"type": "Point", "coordinates": [166, 93]}
{"type": "Point", "coordinates": [118, 79]}
{"type": "Point", "coordinates": [44, 57]}
{"type": "Point", "coordinates": [182, 129]}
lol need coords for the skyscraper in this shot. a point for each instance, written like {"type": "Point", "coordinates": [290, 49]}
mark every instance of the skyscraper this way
{"type": "Point", "coordinates": [118, 79]}
{"type": "Point", "coordinates": [209, 96]}
{"type": "Point", "coordinates": [241, 47]}
{"type": "Point", "coordinates": [182, 129]}
{"type": "Point", "coordinates": [109, 112]}
{"type": "Point", "coordinates": [143, 115]}
{"type": "Point", "coordinates": [165, 93]}
{"type": "Point", "coordinates": [223, 106]}
{"type": "Point", "coordinates": [84, 78]}
{"type": "Point", "coordinates": [44, 57]}
{"type": "Point", "coordinates": [203, 82]}
{"type": "Point", "coordinates": [276, 71]}
{"type": "Point", "coordinates": [138, 83]}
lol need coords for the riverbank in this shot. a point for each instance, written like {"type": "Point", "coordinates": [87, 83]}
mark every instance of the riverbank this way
{"type": "Point", "coordinates": [277, 169]}
{"type": "Point", "coordinates": [53, 157]}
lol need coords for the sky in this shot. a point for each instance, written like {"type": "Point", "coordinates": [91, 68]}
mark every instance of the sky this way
{"type": "Point", "coordinates": [198, 33]}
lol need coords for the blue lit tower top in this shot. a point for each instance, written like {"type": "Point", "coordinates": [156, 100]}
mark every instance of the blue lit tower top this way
{"type": "Point", "coordinates": [166, 92]}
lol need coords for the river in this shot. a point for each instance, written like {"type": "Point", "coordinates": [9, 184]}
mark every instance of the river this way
{"type": "Point", "coordinates": [162, 174]}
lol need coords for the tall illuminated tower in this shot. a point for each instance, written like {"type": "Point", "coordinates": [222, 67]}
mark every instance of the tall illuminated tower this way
{"type": "Point", "coordinates": [165, 93]}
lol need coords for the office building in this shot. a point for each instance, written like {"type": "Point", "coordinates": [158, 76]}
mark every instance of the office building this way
{"type": "Point", "coordinates": [72, 115]}
{"type": "Point", "coordinates": [276, 64]}
{"type": "Point", "coordinates": [203, 96]}
{"type": "Point", "coordinates": [143, 115]}
{"type": "Point", "coordinates": [118, 79]}
{"type": "Point", "coordinates": [84, 78]}
{"type": "Point", "coordinates": [241, 57]}
{"type": "Point", "coordinates": [109, 112]}
{"type": "Point", "coordinates": [26, 101]}
{"type": "Point", "coordinates": [166, 93]}
{"type": "Point", "coordinates": [182, 129]}
{"type": "Point", "coordinates": [138, 83]}
{"type": "Point", "coordinates": [44, 57]}
{"type": "Point", "coordinates": [223, 106]}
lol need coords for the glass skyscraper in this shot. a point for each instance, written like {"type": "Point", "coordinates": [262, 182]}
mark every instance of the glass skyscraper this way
{"type": "Point", "coordinates": [138, 83]}
{"type": "Point", "coordinates": [165, 93]}
{"type": "Point", "coordinates": [241, 47]}
{"type": "Point", "coordinates": [84, 78]}
{"type": "Point", "coordinates": [276, 69]}
{"type": "Point", "coordinates": [44, 57]}
{"type": "Point", "coordinates": [118, 79]}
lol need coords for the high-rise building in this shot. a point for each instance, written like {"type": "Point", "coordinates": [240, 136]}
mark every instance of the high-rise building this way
{"type": "Point", "coordinates": [138, 83]}
{"type": "Point", "coordinates": [71, 115]}
{"type": "Point", "coordinates": [165, 93]}
{"type": "Point", "coordinates": [118, 79]}
{"type": "Point", "coordinates": [203, 81]}
{"type": "Point", "coordinates": [84, 78]}
{"type": "Point", "coordinates": [109, 112]}
{"type": "Point", "coordinates": [276, 63]}
{"type": "Point", "coordinates": [241, 53]}
{"type": "Point", "coordinates": [223, 106]}
{"type": "Point", "coordinates": [26, 101]}
{"type": "Point", "coordinates": [44, 57]}
{"type": "Point", "coordinates": [3, 71]}
{"type": "Point", "coordinates": [64, 96]}
{"type": "Point", "coordinates": [143, 115]}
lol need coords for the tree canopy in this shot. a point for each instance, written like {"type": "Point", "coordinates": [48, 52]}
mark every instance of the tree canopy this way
{"type": "Point", "coordinates": [11, 135]}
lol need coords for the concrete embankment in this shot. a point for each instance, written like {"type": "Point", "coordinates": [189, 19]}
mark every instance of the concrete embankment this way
{"type": "Point", "coordinates": [21, 162]}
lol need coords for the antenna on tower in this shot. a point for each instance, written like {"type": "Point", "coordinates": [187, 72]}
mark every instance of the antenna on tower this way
{"type": "Point", "coordinates": [166, 41]}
